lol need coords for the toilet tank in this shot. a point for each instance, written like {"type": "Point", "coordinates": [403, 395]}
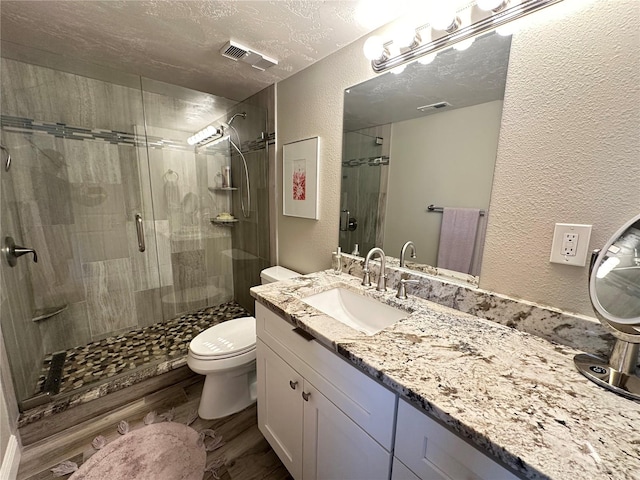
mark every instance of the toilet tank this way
{"type": "Point", "coordinates": [275, 274]}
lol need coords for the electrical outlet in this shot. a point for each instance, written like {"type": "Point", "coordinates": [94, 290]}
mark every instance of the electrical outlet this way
{"type": "Point", "coordinates": [570, 244]}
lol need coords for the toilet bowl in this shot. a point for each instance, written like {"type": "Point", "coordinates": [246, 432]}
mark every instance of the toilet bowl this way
{"type": "Point", "coordinates": [226, 355]}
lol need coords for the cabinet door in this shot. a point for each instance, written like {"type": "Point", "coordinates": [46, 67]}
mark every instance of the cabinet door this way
{"type": "Point", "coordinates": [401, 472]}
{"type": "Point", "coordinates": [337, 448]}
{"type": "Point", "coordinates": [431, 451]}
{"type": "Point", "coordinates": [280, 407]}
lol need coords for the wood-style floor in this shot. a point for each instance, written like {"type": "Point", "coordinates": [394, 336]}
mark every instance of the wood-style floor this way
{"type": "Point", "coordinates": [246, 454]}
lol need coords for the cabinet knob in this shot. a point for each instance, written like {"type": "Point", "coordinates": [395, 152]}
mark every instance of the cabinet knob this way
{"type": "Point", "coordinates": [293, 384]}
{"type": "Point", "coordinates": [306, 396]}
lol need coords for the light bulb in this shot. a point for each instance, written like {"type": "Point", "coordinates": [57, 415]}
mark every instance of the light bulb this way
{"type": "Point", "coordinates": [427, 59]}
{"type": "Point", "coordinates": [463, 45]}
{"type": "Point", "coordinates": [403, 36]}
{"type": "Point", "coordinates": [373, 48]}
{"type": "Point", "coordinates": [489, 5]}
{"type": "Point", "coordinates": [399, 69]}
{"type": "Point", "coordinates": [443, 16]}
{"type": "Point", "coordinates": [394, 50]}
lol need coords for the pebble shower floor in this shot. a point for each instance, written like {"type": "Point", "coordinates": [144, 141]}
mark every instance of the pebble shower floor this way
{"type": "Point", "coordinates": [114, 355]}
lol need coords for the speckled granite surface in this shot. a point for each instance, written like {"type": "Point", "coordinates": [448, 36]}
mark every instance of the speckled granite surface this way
{"type": "Point", "coordinates": [514, 395]}
{"type": "Point", "coordinates": [577, 331]}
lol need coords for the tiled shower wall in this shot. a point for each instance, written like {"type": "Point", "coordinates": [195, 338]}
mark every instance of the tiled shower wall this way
{"type": "Point", "coordinates": [251, 236]}
{"type": "Point", "coordinates": [81, 172]}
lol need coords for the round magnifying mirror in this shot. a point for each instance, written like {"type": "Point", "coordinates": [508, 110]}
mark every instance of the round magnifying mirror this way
{"type": "Point", "coordinates": [614, 288]}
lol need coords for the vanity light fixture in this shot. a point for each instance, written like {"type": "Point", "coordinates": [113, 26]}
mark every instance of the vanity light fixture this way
{"type": "Point", "coordinates": [404, 36]}
{"type": "Point", "coordinates": [492, 5]}
{"type": "Point", "coordinates": [447, 30]}
{"type": "Point", "coordinates": [374, 49]}
{"type": "Point", "coordinates": [213, 142]}
{"type": "Point", "coordinates": [203, 135]}
{"type": "Point", "coordinates": [444, 17]}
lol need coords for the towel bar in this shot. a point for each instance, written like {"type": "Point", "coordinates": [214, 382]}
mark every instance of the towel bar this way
{"type": "Point", "coordinates": [433, 208]}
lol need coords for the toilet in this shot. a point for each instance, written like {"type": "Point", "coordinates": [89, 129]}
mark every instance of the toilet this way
{"type": "Point", "coordinates": [226, 354]}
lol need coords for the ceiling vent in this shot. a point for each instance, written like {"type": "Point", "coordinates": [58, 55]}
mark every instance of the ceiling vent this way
{"type": "Point", "coordinates": [236, 51]}
{"type": "Point", "coordinates": [434, 106]}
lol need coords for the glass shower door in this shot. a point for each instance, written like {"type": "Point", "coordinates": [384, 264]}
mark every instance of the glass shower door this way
{"type": "Point", "coordinates": [78, 193]}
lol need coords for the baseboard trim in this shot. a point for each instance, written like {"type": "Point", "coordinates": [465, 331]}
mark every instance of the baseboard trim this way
{"type": "Point", "coordinates": [10, 460]}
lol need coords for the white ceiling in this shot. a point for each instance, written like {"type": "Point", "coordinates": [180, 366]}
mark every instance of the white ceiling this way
{"type": "Point", "coordinates": [178, 42]}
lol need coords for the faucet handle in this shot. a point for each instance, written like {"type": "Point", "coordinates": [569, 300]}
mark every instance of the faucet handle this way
{"type": "Point", "coordinates": [13, 251]}
{"type": "Point", "coordinates": [366, 278]}
{"type": "Point", "coordinates": [402, 288]}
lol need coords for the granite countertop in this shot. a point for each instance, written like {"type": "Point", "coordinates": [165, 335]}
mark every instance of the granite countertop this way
{"type": "Point", "coordinates": [514, 395]}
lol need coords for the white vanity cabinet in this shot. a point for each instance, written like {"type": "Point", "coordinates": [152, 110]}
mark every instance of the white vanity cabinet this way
{"type": "Point", "coordinates": [324, 418]}
{"type": "Point", "coordinates": [327, 420]}
{"type": "Point", "coordinates": [426, 450]}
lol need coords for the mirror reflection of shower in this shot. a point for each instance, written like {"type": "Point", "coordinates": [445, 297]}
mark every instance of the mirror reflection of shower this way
{"type": "Point", "coordinates": [211, 135]}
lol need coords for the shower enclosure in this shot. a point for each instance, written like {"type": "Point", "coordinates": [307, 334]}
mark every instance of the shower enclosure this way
{"type": "Point", "coordinates": [119, 207]}
{"type": "Point", "coordinates": [365, 169]}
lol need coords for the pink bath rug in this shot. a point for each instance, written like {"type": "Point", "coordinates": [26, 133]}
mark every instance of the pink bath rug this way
{"type": "Point", "coordinates": [162, 451]}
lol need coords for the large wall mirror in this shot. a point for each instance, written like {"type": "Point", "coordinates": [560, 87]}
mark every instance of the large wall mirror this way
{"type": "Point", "coordinates": [426, 136]}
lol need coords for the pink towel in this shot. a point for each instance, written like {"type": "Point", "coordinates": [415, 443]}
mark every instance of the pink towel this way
{"type": "Point", "coordinates": [458, 238]}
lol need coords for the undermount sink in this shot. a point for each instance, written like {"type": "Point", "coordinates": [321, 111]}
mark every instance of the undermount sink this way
{"type": "Point", "coordinates": [356, 311]}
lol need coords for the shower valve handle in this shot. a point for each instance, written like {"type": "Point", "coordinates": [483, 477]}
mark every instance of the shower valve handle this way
{"type": "Point", "coordinates": [12, 251]}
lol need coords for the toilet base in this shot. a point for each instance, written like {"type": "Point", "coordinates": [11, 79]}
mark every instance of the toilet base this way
{"type": "Point", "coordinates": [228, 392]}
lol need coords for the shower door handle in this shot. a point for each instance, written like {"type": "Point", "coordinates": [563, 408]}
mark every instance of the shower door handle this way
{"type": "Point", "coordinates": [140, 232]}
{"type": "Point", "coordinates": [7, 160]}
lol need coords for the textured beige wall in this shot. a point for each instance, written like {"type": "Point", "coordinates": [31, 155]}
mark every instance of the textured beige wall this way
{"type": "Point", "coordinates": [309, 104]}
{"type": "Point", "coordinates": [568, 151]}
{"type": "Point", "coordinates": [569, 148]}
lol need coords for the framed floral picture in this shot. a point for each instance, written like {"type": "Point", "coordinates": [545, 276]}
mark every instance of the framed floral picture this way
{"type": "Point", "coordinates": [300, 178]}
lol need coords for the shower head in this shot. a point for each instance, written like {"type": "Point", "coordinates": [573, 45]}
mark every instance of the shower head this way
{"type": "Point", "coordinates": [242, 114]}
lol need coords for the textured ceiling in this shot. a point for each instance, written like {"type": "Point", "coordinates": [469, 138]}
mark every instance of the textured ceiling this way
{"type": "Point", "coordinates": [178, 42]}
{"type": "Point", "coordinates": [473, 76]}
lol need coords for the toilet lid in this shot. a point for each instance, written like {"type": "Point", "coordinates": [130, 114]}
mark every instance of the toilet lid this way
{"type": "Point", "coordinates": [227, 339]}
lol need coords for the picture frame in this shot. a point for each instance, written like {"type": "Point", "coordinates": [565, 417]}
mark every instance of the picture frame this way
{"type": "Point", "coordinates": [300, 178]}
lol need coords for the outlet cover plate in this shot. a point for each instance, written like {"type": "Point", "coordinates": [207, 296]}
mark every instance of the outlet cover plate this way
{"type": "Point", "coordinates": [582, 247]}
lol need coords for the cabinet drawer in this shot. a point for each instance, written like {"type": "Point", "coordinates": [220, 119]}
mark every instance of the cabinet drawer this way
{"type": "Point", "coordinates": [433, 452]}
{"type": "Point", "coordinates": [365, 401]}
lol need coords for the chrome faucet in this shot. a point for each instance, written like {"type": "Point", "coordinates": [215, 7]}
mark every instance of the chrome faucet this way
{"type": "Point", "coordinates": [382, 277]}
{"type": "Point", "coordinates": [404, 251]}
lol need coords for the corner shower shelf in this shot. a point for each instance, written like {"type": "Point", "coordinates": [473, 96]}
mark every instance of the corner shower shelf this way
{"type": "Point", "coordinates": [44, 313]}
{"type": "Point", "coordinates": [222, 189]}
{"type": "Point", "coordinates": [226, 222]}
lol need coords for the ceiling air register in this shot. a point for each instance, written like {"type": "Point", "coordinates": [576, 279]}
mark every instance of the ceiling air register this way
{"type": "Point", "coordinates": [236, 51]}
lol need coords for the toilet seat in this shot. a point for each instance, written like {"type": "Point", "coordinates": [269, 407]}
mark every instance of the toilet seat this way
{"type": "Point", "coordinates": [225, 340]}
